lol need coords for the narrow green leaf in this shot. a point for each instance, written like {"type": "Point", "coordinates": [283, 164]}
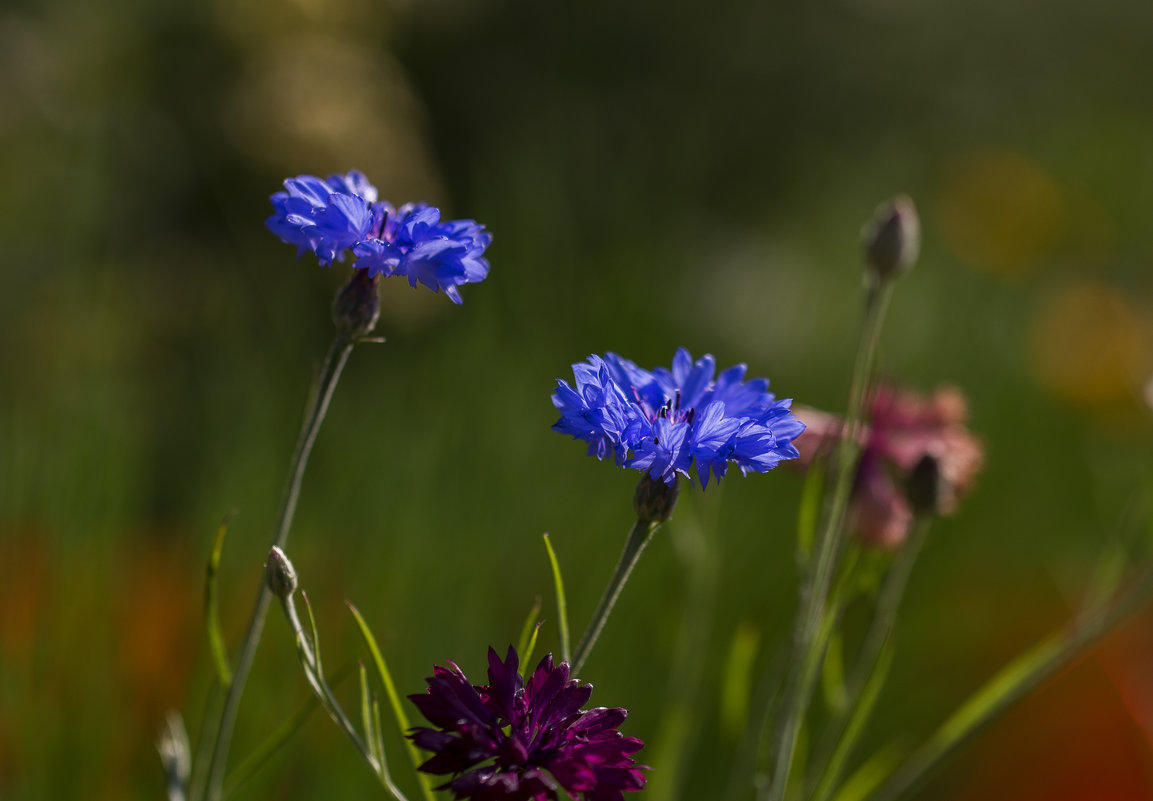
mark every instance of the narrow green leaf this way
{"type": "Point", "coordinates": [393, 700]}
{"type": "Point", "coordinates": [737, 686]}
{"type": "Point", "coordinates": [561, 604]}
{"type": "Point", "coordinates": [377, 733]}
{"type": "Point", "coordinates": [869, 776]}
{"type": "Point", "coordinates": [833, 673]}
{"type": "Point", "coordinates": [319, 668]}
{"type": "Point", "coordinates": [809, 511]}
{"type": "Point", "coordinates": [212, 608]}
{"type": "Point", "coordinates": [366, 714]}
{"type": "Point", "coordinates": [527, 631]}
{"type": "Point", "coordinates": [855, 725]}
{"type": "Point", "coordinates": [528, 649]}
{"type": "Point", "coordinates": [1021, 676]}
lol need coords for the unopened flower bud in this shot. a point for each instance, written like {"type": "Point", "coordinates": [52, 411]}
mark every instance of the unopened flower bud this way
{"type": "Point", "coordinates": [892, 239]}
{"type": "Point", "coordinates": [654, 499]}
{"type": "Point", "coordinates": [357, 305]}
{"type": "Point", "coordinates": [279, 574]}
{"type": "Point", "coordinates": [923, 488]}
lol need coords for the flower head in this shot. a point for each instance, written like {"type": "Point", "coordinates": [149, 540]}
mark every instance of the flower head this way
{"type": "Point", "coordinates": [662, 421]}
{"type": "Point", "coordinates": [903, 429]}
{"type": "Point", "coordinates": [341, 213]}
{"type": "Point", "coordinates": [524, 741]}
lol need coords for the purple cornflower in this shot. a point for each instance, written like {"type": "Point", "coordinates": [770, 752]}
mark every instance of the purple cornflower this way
{"type": "Point", "coordinates": [661, 421]}
{"type": "Point", "coordinates": [524, 741]}
{"type": "Point", "coordinates": [342, 213]}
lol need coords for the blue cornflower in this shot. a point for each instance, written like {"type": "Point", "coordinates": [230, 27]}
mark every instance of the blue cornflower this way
{"type": "Point", "coordinates": [662, 421]}
{"type": "Point", "coordinates": [341, 213]}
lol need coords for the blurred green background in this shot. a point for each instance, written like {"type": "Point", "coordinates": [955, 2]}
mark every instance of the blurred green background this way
{"type": "Point", "coordinates": [654, 175]}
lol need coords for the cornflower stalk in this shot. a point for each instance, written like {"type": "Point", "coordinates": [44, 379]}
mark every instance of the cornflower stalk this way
{"type": "Point", "coordinates": [892, 242]}
{"type": "Point", "coordinates": [654, 501]}
{"type": "Point", "coordinates": [319, 398]}
{"type": "Point", "coordinates": [810, 637]}
{"type": "Point", "coordinates": [639, 536]}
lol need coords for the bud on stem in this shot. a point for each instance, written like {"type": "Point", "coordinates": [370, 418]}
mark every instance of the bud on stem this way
{"type": "Point", "coordinates": [279, 574]}
{"type": "Point", "coordinates": [923, 489]}
{"type": "Point", "coordinates": [892, 239]}
{"type": "Point", "coordinates": [654, 500]}
{"type": "Point", "coordinates": [357, 305]}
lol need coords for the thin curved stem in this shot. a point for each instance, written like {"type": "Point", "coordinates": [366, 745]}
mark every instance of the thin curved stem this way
{"type": "Point", "coordinates": [642, 531]}
{"type": "Point", "coordinates": [318, 402]}
{"type": "Point", "coordinates": [308, 650]}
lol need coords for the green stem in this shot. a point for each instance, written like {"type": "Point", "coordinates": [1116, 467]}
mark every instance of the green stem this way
{"type": "Point", "coordinates": [1014, 681]}
{"type": "Point", "coordinates": [314, 673]}
{"type": "Point", "coordinates": [846, 726]}
{"type": "Point", "coordinates": [317, 408]}
{"type": "Point", "coordinates": [639, 536]}
{"type": "Point", "coordinates": [808, 641]}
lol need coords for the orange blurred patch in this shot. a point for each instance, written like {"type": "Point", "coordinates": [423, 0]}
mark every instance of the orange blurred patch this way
{"type": "Point", "coordinates": [1000, 211]}
{"type": "Point", "coordinates": [1127, 658]}
{"type": "Point", "coordinates": [25, 586]}
{"type": "Point", "coordinates": [26, 600]}
{"type": "Point", "coordinates": [156, 604]}
{"type": "Point", "coordinates": [1089, 345]}
{"type": "Point", "coordinates": [1074, 740]}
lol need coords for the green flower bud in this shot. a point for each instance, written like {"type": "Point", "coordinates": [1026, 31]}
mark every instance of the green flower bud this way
{"type": "Point", "coordinates": [279, 574]}
{"type": "Point", "coordinates": [654, 500]}
{"type": "Point", "coordinates": [892, 239]}
{"type": "Point", "coordinates": [357, 305]}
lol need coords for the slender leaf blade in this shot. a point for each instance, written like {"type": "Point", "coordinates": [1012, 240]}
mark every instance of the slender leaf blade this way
{"type": "Point", "coordinates": [561, 603]}
{"type": "Point", "coordinates": [393, 700]}
{"type": "Point", "coordinates": [212, 608]}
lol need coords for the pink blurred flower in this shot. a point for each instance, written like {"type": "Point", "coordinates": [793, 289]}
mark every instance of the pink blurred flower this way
{"type": "Point", "coordinates": [902, 428]}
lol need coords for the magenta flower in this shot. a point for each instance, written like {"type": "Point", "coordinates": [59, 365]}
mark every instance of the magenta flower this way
{"type": "Point", "coordinates": [516, 741]}
{"type": "Point", "coordinates": [903, 427]}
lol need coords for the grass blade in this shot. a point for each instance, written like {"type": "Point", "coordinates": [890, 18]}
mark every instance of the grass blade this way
{"type": "Point", "coordinates": [528, 633]}
{"type": "Point", "coordinates": [212, 608]}
{"type": "Point", "coordinates": [366, 715]}
{"type": "Point", "coordinates": [393, 700]}
{"type": "Point", "coordinates": [809, 511]}
{"type": "Point", "coordinates": [561, 603]}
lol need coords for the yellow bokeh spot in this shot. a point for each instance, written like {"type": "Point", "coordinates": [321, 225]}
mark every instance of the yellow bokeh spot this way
{"type": "Point", "coordinates": [1090, 345]}
{"type": "Point", "coordinates": [999, 211]}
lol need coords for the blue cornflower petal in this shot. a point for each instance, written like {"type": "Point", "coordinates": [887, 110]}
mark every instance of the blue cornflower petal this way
{"type": "Point", "coordinates": [596, 411]}
{"type": "Point", "coordinates": [662, 421]}
{"type": "Point", "coordinates": [377, 256]}
{"type": "Point", "coordinates": [713, 441]}
{"type": "Point", "coordinates": [326, 216]}
{"type": "Point", "coordinates": [664, 454]}
{"type": "Point", "coordinates": [353, 183]}
{"type": "Point", "coordinates": [342, 213]}
{"type": "Point", "coordinates": [340, 225]}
